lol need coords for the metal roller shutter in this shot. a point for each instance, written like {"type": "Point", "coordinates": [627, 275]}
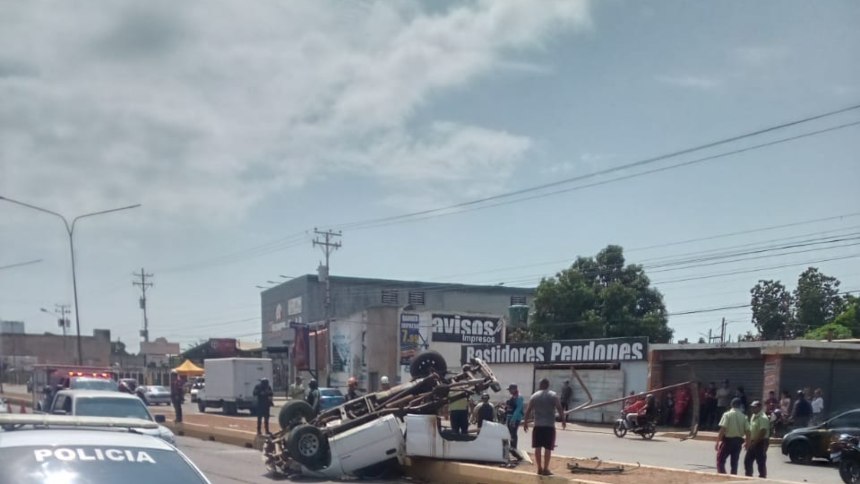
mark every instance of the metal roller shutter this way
{"type": "Point", "coordinates": [746, 373]}
{"type": "Point", "coordinates": [837, 379]}
{"type": "Point", "coordinates": [845, 387]}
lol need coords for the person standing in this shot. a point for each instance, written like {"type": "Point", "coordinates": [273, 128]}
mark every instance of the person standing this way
{"type": "Point", "coordinates": [263, 396]}
{"type": "Point", "coordinates": [802, 411]}
{"type": "Point", "coordinates": [566, 398]}
{"type": "Point", "coordinates": [711, 406]}
{"type": "Point", "coordinates": [514, 409]}
{"type": "Point", "coordinates": [177, 395]}
{"type": "Point", "coordinates": [743, 398]}
{"type": "Point", "coordinates": [734, 428]}
{"type": "Point", "coordinates": [724, 396]}
{"type": "Point", "coordinates": [458, 414]}
{"type": "Point", "coordinates": [313, 397]}
{"type": "Point", "coordinates": [543, 405]}
{"type": "Point", "coordinates": [785, 404]}
{"type": "Point", "coordinates": [817, 407]}
{"type": "Point", "coordinates": [352, 389]}
{"type": "Point", "coordinates": [297, 390]}
{"type": "Point", "coordinates": [771, 404]}
{"type": "Point", "coordinates": [484, 411]}
{"type": "Point", "coordinates": [757, 442]}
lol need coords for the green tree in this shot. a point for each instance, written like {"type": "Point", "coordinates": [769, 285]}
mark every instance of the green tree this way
{"type": "Point", "coordinates": [829, 331]}
{"type": "Point", "coordinates": [850, 316]}
{"type": "Point", "coordinates": [600, 297]}
{"type": "Point", "coordinates": [816, 299]}
{"type": "Point", "coordinates": [771, 310]}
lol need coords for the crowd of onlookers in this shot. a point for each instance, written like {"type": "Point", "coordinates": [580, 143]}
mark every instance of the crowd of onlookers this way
{"type": "Point", "coordinates": [805, 408]}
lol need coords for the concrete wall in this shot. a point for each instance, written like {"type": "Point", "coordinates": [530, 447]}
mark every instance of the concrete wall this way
{"type": "Point", "coordinates": [604, 385]}
{"type": "Point", "coordinates": [635, 376]}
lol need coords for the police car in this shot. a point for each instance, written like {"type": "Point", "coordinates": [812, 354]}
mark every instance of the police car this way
{"type": "Point", "coordinates": [95, 403]}
{"type": "Point", "coordinates": [42, 449]}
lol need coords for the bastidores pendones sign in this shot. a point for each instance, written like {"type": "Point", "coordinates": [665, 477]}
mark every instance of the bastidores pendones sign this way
{"type": "Point", "coordinates": [570, 351]}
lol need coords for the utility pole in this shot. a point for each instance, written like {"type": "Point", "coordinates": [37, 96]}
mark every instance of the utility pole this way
{"type": "Point", "coordinates": [143, 285]}
{"type": "Point", "coordinates": [324, 239]}
{"type": "Point", "coordinates": [723, 332]}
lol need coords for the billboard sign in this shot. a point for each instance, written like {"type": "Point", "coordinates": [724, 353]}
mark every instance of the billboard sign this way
{"type": "Point", "coordinates": [554, 352]}
{"type": "Point", "coordinates": [456, 328]}
{"type": "Point", "coordinates": [410, 337]}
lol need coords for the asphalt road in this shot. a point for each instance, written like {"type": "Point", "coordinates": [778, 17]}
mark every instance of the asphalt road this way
{"type": "Point", "coordinates": [228, 464]}
{"type": "Point", "coordinates": [691, 454]}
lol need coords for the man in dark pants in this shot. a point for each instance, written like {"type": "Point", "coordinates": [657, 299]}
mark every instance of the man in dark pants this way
{"type": "Point", "coordinates": [514, 408]}
{"type": "Point", "coordinates": [566, 397]}
{"type": "Point", "coordinates": [757, 442]}
{"type": "Point", "coordinates": [177, 395]}
{"type": "Point", "coordinates": [802, 411]}
{"type": "Point", "coordinates": [734, 428]}
{"type": "Point", "coordinates": [543, 405]}
{"type": "Point", "coordinates": [263, 395]}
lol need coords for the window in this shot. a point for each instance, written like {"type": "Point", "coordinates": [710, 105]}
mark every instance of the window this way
{"type": "Point", "coordinates": [416, 297]}
{"type": "Point", "coordinates": [848, 420]}
{"type": "Point", "coordinates": [389, 296]}
{"type": "Point", "coordinates": [518, 300]}
{"type": "Point", "coordinates": [111, 407]}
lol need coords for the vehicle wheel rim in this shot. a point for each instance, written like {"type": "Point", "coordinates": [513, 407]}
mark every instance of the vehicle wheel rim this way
{"type": "Point", "coordinates": [309, 445]}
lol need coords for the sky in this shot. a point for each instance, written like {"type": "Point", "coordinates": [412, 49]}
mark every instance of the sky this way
{"type": "Point", "coordinates": [241, 126]}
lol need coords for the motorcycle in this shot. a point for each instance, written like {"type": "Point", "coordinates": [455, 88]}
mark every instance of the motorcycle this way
{"type": "Point", "coordinates": [846, 451]}
{"type": "Point", "coordinates": [645, 427]}
{"type": "Point", "coordinates": [779, 423]}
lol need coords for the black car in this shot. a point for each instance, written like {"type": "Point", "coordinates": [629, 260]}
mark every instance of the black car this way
{"type": "Point", "coordinates": [804, 444]}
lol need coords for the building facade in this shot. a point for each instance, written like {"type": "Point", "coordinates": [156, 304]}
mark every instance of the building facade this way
{"type": "Point", "coordinates": [375, 325]}
{"type": "Point", "coordinates": [764, 366]}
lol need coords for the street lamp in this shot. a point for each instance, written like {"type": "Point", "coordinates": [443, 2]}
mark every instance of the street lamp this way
{"type": "Point", "coordinates": [70, 229]}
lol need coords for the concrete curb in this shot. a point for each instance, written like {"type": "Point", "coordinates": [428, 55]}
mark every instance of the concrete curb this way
{"type": "Point", "coordinates": [239, 438]}
{"type": "Point", "coordinates": [707, 437]}
{"type": "Point", "coordinates": [466, 473]}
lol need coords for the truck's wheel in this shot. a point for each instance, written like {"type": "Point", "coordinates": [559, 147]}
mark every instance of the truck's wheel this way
{"type": "Point", "coordinates": [426, 363]}
{"type": "Point", "coordinates": [295, 412]}
{"type": "Point", "coordinates": [308, 446]}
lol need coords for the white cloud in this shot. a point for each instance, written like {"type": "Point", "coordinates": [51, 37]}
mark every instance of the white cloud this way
{"type": "Point", "coordinates": [205, 108]}
{"type": "Point", "coordinates": [691, 82]}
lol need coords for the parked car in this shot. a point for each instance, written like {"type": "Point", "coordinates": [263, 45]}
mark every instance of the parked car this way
{"type": "Point", "coordinates": [365, 437]}
{"type": "Point", "coordinates": [154, 394]}
{"type": "Point", "coordinates": [330, 398]}
{"type": "Point", "coordinates": [94, 403]}
{"type": "Point", "coordinates": [96, 450]}
{"type": "Point", "coordinates": [804, 444]}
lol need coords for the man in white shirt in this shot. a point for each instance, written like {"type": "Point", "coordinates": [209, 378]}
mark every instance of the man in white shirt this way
{"type": "Point", "coordinates": [817, 407]}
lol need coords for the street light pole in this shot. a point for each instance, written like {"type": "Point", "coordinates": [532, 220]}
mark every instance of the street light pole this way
{"type": "Point", "coordinates": [70, 229]}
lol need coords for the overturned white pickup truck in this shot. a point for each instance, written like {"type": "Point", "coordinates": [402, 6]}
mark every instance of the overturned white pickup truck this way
{"type": "Point", "coordinates": [371, 436]}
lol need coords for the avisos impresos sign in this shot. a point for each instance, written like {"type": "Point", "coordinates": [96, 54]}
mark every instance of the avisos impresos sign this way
{"type": "Point", "coordinates": [570, 351]}
{"type": "Point", "coordinates": [458, 328]}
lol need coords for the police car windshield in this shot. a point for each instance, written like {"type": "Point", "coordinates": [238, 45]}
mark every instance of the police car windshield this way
{"type": "Point", "coordinates": [111, 407]}
{"type": "Point", "coordinates": [94, 465]}
{"type": "Point", "coordinates": [93, 384]}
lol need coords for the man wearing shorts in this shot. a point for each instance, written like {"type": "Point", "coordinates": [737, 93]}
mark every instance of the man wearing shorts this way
{"type": "Point", "coordinates": [543, 405]}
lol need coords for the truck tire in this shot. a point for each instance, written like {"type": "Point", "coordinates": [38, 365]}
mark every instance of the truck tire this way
{"type": "Point", "coordinates": [295, 412]}
{"type": "Point", "coordinates": [307, 445]}
{"type": "Point", "coordinates": [426, 363]}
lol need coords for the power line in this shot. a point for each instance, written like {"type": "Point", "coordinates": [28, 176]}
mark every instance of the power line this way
{"type": "Point", "coordinates": [635, 164]}
{"type": "Point", "coordinates": [20, 264]}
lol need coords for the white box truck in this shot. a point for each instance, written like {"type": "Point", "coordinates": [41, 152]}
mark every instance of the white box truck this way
{"type": "Point", "coordinates": [230, 383]}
